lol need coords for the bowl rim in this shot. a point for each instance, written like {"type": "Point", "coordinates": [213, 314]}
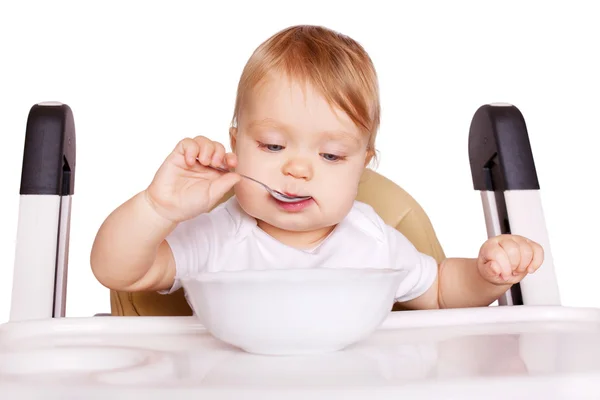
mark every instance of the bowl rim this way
{"type": "Point", "coordinates": [290, 274]}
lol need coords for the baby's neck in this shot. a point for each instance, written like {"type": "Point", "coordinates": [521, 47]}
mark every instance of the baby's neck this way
{"type": "Point", "coordinates": [299, 240]}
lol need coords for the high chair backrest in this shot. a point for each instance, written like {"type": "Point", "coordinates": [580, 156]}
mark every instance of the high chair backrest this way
{"type": "Point", "coordinates": [394, 205]}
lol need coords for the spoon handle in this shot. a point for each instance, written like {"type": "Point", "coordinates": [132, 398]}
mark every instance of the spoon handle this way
{"type": "Point", "coordinates": [243, 176]}
{"type": "Point", "coordinates": [275, 193]}
{"type": "Point", "coordinates": [219, 169]}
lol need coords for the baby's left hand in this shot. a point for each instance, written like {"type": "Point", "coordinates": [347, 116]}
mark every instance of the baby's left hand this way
{"type": "Point", "coordinates": [507, 259]}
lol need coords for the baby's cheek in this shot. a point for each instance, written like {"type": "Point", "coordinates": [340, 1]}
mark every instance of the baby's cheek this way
{"type": "Point", "coordinates": [337, 202]}
{"type": "Point", "coordinates": [253, 163]}
{"type": "Point", "coordinates": [248, 196]}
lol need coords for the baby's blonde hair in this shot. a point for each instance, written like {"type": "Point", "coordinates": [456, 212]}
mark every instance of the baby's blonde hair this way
{"type": "Point", "coordinates": [334, 64]}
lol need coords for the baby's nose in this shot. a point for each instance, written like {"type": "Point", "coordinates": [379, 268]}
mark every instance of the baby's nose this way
{"type": "Point", "coordinates": [299, 168]}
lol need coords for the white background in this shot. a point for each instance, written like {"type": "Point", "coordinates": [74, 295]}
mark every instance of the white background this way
{"type": "Point", "coordinates": [139, 76]}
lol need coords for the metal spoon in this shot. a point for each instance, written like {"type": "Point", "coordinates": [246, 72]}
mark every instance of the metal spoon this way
{"type": "Point", "coordinates": [276, 194]}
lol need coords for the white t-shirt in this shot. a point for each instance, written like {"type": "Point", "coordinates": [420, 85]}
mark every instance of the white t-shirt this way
{"type": "Point", "coordinates": [228, 239]}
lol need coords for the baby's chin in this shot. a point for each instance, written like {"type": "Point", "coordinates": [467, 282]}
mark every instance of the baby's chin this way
{"type": "Point", "coordinates": [294, 226]}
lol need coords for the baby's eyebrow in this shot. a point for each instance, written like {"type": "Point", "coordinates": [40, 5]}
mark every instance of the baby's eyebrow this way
{"type": "Point", "coordinates": [329, 135]}
{"type": "Point", "coordinates": [266, 123]}
{"type": "Point", "coordinates": [340, 135]}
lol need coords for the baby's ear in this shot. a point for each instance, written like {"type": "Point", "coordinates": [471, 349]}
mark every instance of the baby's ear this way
{"type": "Point", "coordinates": [369, 157]}
{"type": "Point", "coordinates": [232, 138]}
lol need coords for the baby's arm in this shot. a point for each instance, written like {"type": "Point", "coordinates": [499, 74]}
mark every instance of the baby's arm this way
{"type": "Point", "coordinates": [130, 253]}
{"type": "Point", "coordinates": [477, 282]}
{"type": "Point", "coordinates": [458, 284]}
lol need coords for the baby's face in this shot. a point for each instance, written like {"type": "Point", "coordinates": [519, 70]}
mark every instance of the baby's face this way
{"type": "Point", "coordinates": [295, 142]}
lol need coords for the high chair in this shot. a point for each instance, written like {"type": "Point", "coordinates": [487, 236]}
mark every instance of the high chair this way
{"type": "Point", "coordinates": [527, 347]}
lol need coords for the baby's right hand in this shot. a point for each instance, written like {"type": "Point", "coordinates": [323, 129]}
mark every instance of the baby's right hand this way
{"type": "Point", "coordinates": [184, 187]}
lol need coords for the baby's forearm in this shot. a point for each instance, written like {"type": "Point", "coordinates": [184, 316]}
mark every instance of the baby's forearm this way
{"type": "Point", "coordinates": [126, 245]}
{"type": "Point", "coordinates": [461, 285]}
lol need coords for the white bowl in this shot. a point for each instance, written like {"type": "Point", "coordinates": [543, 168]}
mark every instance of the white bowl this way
{"type": "Point", "coordinates": [293, 311]}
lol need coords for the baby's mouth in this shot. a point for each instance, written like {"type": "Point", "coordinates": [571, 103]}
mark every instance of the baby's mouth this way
{"type": "Point", "coordinates": [297, 197]}
{"type": "Point", "coordinates": [295, 194]}
{"type": "Point", "coordinates": [289, 197]}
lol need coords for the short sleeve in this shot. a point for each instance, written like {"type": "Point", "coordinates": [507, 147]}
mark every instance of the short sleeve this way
{"type": "Point", "coordinates": [190, 243]}
{"type": "Point", "coordinates": [421, 269]}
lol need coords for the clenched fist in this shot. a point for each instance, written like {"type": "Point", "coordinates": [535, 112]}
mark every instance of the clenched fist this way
{"type": "Point", "coordinates": [184, 187]}
{"type": "Point", "coordinates": [507, 259]}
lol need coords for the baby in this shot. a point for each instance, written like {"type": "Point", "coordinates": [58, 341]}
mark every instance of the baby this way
{"type": "Point", "coordinates": [305, 122]}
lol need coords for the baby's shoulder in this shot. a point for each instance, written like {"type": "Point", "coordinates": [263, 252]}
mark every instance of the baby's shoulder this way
{"type": "Point", "coordinates": [362, 217]}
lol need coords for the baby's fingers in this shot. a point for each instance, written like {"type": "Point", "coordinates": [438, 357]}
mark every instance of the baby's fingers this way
{"type": "Point", "coordinates": [189, 148]}
{"type": "Point", "coordinates": [207, 150]}
{"type": "Point", "coordinates": [537, 259]}
{"type": "Point", "coordinates": [230, 160]}
{"type": "Point", "coordinates": [222, 185]}
{"type": "Point", "coordinates": [500, 260]}
{"type": "Point", "coordinates": [218, 156]}
{"type": "Point", "coordinates": [513, 252]}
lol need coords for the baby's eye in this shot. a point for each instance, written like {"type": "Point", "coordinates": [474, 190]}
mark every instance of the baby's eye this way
{"type": "Point", "coordinates": [271, 147]}
{"type": "Point", "coordinates": [274, 147]}
{"type": "Point", "coordinates": [330, 157]}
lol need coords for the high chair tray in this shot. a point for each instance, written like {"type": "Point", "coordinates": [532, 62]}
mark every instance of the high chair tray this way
{"type": "Point", "coordinates": [484, 353]}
